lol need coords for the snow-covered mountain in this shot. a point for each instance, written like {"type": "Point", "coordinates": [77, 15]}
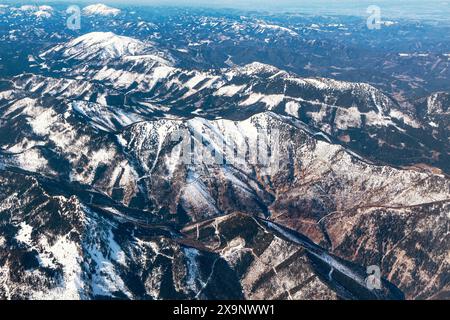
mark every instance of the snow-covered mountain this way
{"type": "Point", "coordinates": [101, 10]}
{"type": "Point", "coordinates": [126, 174]}
{"type": "Point", "coordinates": [98, 45]}
{"type": "Point", "coordinates": [341, 112]}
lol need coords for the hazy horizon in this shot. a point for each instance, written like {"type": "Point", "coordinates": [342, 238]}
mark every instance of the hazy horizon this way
{"type": "Point", "coordinates": [430, 9]}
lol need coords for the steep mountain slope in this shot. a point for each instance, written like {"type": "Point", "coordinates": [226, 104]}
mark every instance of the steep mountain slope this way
{"type": "Point", "coordinates": [63, 249]}
{"type": "Point", "coordinates": [59, 248]}
{"type": "Point", "coordinates": [411, 242]}
{"type": "Point", "coordinates": [435, 110]}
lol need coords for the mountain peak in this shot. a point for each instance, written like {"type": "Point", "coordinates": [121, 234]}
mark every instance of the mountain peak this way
{"type": "Point", "coordinates": [258, 68]}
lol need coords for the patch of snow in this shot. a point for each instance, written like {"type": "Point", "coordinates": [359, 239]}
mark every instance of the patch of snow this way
{"type": "Point", "coordinates": [41, 123]}
{"type": "Point", "coordinates": [45, 8]}
{"type": "Point", "coordinates": [229, 91]}
{"type": "Point", "coordinates": [100, 9]}
{"type": "Point", "coordinates": [406, 119]}
{"type": "Point", "coordinates": [388, 23]}
{"type": "Point", "coordinates": [292, 108]}
{"type": "Point", "coordinates": [105, 280]}
{"type": "Point", "coordinates": [375, 119]}
{"type": "Point", "coordinates": [31, 160]}
{"type": "Point", "coordinates": [67, 255]}
{"type": "Point", "coordinates": [117, 253]}
{"type": "Point", "coordinates": [24, 234]}
{"type": "Point", "coordinates": [192, 268]}
{"type": "Point", "coordinates": [252, 99]}
{"type": "Point", "coordinates": [433, 124]}
{"type": "Point", "coordinates": [194, 81]}
{"type": "Point", "coordinates": [27, 7]}
{"type": "Point", "coordinates": [347, 118]}
{"type": "Point", "coordinates": [195, 194]}
{"type": "Point", "coordinates": [318, 116]}
{"type": "Point", "coordinates": [42, 14]}
{"type": "Point", "coordinates": [149, 57]}
{"type": "Point", "coordinates": [265, 25]}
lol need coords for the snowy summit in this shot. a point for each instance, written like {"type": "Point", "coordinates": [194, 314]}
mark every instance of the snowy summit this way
{"type": "Point", "coordinates": [100, 9]}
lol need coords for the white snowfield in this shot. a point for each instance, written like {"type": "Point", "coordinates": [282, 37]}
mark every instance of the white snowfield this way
{"type": "Point", "coordinates": [42, 14]}
{"type": "Point", "coordinates": [100, 9]}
